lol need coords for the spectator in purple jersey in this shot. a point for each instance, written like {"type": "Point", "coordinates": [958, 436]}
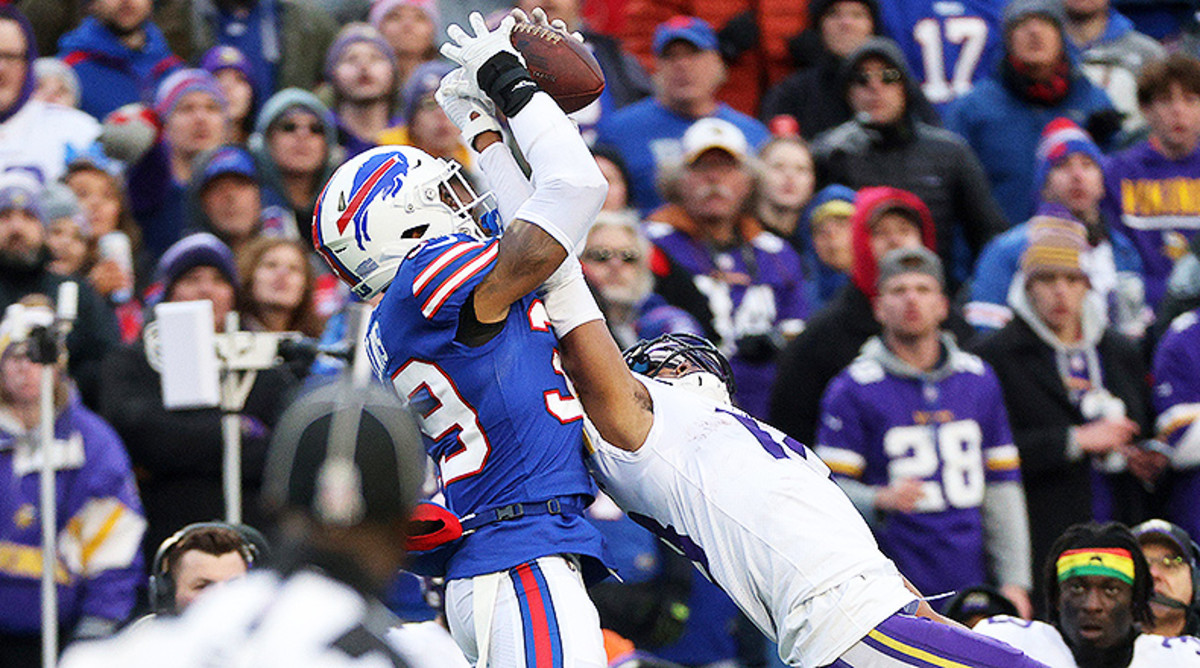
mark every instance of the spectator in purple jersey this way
{"type": "Point", "coordinates": [949, 521]}
{"type": "Point", "coordinates": [361, 68]}
{"type": "Point", "coordinates": [888, 143]}
{"type": "Point", "coordinates": [1075, 392]}
{"type": "Point", "coordinates": [811, 94]}
{"type": "Point", "coordinates": [1173, 557]}
{"type": "Point", "coordinates": [1151, 185]}
{"type": "Point", "coordinates": [616, 263]}
{"type": "Point", "coordinates": [753, 279]}
{"type": "Point", "coordinates": [1177, 401]}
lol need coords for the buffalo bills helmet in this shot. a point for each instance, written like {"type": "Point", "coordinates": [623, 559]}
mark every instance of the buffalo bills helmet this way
{"type": "Point", "coordinates": [382, 203]}
{"type": "Point", "coordinates": [686, 360]}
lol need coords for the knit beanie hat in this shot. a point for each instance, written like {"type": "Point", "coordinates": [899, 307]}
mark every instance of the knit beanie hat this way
{"type": "Point", "coordinates": [287, 99]}
{"type": "Point", "coordinates": [59, 201]}
{"type": "Point", "coordinates": [19, 191]}
{"type": "Point", "coordinates": [174, 87]}
{"type": "Point", "coordinates": [381, 8]}
{"type": "Point", "coordinates": [53, 68]}
{"type": "Point", "coordinates": [1056, 243]}
{"type": "Point", "coordinates": [350, 35]}
{"type": "Point", "coordinates": [225, 57]}
{"type": "Point", "coordinates": [1018, 10]}
{"type": "Point", "coordinates": [1060, 139]}
{"type": "Point", "coordinates": [196, 250]}
{"type": "Point", "coordinates": [918, 260]}
{"type": "Point", "coordinates": [423, 81]}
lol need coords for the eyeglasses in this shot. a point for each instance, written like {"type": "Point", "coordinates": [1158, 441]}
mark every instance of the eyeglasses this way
{"type": "Point", "coordinates": [887, 75]}
{"type": "Point", "coordinates": [602, 255]}
{"type": "Point", "coordinates": [1168, 563]}
{"type": "Point", "coordinates": [292, 126]}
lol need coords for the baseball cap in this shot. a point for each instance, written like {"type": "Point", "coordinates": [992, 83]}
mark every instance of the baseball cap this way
{"type": "Point", "coordinates": [229, 160]}
{"type": "Point", "coordinates": [1166, 532]}
{"type": "Point", "coordinates": [713, 133]}
{"type": "Point", "coordinates": [910, 261]}
{"type": "Point", "coordinates": [690, 29]}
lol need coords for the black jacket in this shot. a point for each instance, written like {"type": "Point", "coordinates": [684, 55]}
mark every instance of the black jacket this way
{"type": "Point", "coordinates": [177, 455]}
{"type": "Point", "coordinates": [1059, 491]}
{"type": "Point", "coordinates": [95, 332]}
{"type": "Point", "coordinates": [810, 95]}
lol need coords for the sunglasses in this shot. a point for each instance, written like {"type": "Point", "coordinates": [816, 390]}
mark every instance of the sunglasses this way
{"type": "Point", "coordinates": [602, 255]}
{"type": "Point", "coordinates": [292, 126]}
{"type": "Point", "coordinates": [888, 75]}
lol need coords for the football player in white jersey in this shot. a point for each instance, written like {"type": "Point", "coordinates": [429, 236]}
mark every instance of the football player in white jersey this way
{"type": "Point", "coordinates": [1099, 589]}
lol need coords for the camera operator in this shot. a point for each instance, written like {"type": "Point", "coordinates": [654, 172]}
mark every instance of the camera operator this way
{"type": "Point", "coordinates": [178, 454]}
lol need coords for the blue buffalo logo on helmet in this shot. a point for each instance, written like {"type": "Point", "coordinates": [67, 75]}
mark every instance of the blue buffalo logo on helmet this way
{"type": "Point", "coordinates": [380, 176]}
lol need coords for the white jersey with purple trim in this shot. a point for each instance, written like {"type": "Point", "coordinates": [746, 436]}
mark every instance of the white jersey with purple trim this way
{"type": "Point", "coordinates": [41, 137]}
{"type": "Point", "coordinates": [1043, 642]}
{"type": "Point", "coordinates": [757, 512]}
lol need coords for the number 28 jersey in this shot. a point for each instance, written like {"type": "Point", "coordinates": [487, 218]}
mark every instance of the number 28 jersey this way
{"type": "Point", "coordinates": [497, 419]}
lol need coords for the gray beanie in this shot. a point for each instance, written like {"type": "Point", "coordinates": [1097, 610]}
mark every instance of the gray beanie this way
{"type": "Point", "coordinates": [910, 261]}
{"type": "Point", "coordinates": [1018, 10]}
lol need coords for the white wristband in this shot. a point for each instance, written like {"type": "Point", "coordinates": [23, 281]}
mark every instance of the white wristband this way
{"type": "Point", "coordinates": [567, 298]}
{"type": "Point", "coordinates": [568, 187]}
{"type": "Point", "coordinates": [505, 178]}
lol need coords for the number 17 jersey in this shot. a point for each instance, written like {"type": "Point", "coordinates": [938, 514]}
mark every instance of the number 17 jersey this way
{"type": "Point", "coordinates": [497, 418]}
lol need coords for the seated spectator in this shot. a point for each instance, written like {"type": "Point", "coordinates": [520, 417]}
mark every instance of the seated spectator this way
{"type": "Point", "coordinates": [56, 82]}
{"type": "Point", "coordinates": [192, 110]}
{"type": "Point", "coordinates": [24, 271]}
{"type": "Point", "coordinates": [225, 198]}
{"type": "Point", "coordinates": [197, 557]}
{"type": "Point", "coordinates": [616, 263]}
{"type": "Point", "coordinates": [120, 56]}
{"type": "Point", "coordinates": [279, 284]}
{"type": "Point", "coordinates": [1172, 556]}
{"type": "Point", "coordinates": [1070, 180]}
{"type": "Point", "coordinates": [1149, 185]}
{"type": "Point", "coordinates": [785, 185]}
{"type": "Point", "coordinates": [1111, 52]}
{"type": "Point", "coordinates": [361, 70]}
{"type": "Point", "coordinates": [884, 219]}
{"type": "Point", "coordinates": [887, 144]}
{"type": "Point", "coordinates": [412, 28]}
{"type": "Point", "coordinates": [178, 453]}
{"type": "Point", "coordinates": [829, 259]}
{"type": "Point", "coordinates": [98, 514]}
{"type": "Point", "coordinates": [752, 279]}
{"type": "Point", "coordinates": [1098, 588]}
{"type": "Point", "coordinates": [1036, 81]}
{"type": "Point", "coordinates": [285, 40]}
{"type": "Point", "coordinates": [1074, 389]}
{"type": "Point", "coordinates": [1176, 370]}
{"type": "Point", "coordinates": [811, 94]}
{"type": "Point", "coordinates": [647, 134]}
{"type": "Point", "coordinates": [35, 136]}
{"type": "Point", "coordinates": [234, 75]}
{"type": "Point", "coordinates": [425, 124]}
{"type": "Point", "coordinates": [295, 147]}
{"type": "Point", "coordinates": [948, 521]}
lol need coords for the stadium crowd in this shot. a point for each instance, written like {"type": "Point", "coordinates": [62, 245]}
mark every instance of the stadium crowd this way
{"type": "Point", "coordinates": [952, 247]}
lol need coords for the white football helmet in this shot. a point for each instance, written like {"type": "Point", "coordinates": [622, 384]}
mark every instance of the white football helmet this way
{"type": "Point", "coordinates": [382, 203]}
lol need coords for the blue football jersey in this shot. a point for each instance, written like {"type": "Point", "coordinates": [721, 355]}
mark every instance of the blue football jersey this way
{"type": "Point", "coordinates": [949, 44]}
{"type": "Point", "coordinates": [951, 432]}
{"type": "Point", "coordinates": [498, 420]}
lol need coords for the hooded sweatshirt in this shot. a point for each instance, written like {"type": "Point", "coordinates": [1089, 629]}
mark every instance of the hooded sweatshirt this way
{"type": "Point", "coordinates": [111, 74]}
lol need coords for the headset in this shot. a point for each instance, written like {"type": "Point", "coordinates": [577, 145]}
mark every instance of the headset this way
{"type": "Point", "coordinates": [254, 550]}
{"type": "Point", "coordinates": [1192, 556]}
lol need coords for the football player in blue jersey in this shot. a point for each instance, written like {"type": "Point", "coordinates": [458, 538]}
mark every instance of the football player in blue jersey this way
{"type": "Point", "coordinates": [458, 334]}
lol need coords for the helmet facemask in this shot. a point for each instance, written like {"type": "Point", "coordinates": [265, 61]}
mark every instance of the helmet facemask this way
{"type": "Point", "coordinates": [684, 360]}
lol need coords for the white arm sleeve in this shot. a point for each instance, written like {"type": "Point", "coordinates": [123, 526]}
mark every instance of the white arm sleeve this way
{"type": "Point", "coordinates": [1006, 533]}
{"type": "Point", "coordinates": [567, 298]}
{"type": "Point", "coordinates": [505, 179]}
{"type": "Point", "coordinates": [568, 187]}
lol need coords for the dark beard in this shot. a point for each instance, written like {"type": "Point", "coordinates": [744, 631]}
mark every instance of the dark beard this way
{"type": "Point", "coordinates": [121, 32]}
{"type": "Point", "coordinates": [17, 264]}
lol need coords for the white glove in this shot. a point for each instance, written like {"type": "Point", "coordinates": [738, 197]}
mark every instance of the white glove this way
{"type": "Point", "coordinates": [465, 106]}
{"type": "Point", "coordinates": [473, 51]}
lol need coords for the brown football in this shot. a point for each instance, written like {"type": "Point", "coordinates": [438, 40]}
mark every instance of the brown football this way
{"type": "Point", "coordinates": [562, 66]}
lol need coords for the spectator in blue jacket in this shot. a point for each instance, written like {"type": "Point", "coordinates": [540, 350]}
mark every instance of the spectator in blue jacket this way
{"type": "Point", "coordinates": [829, 257]}
{"type": "Point", "coordinates": [119, 55]}
{"type": "Point", "coordinates": [1070, 179]}
{"type": "Point", "coordinates": [98, 516]}
{"type": "Point", "coordinates": [1035, 82]}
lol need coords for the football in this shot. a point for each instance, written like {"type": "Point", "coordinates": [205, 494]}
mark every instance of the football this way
{"type": "Point", "coordinates": [562, 66]}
